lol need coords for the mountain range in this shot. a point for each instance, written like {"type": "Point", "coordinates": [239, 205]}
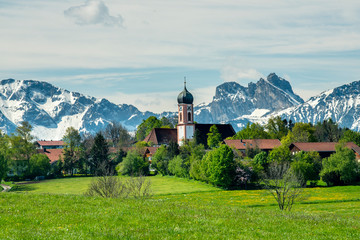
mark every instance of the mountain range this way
{"type": "Point", "coordinates": [50, 110]}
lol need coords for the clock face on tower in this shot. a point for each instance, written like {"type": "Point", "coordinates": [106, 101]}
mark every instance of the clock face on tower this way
{"type": "Point", "coordinates": [180, 108]}
{"type": "Point", "coordinates": [189, 108]}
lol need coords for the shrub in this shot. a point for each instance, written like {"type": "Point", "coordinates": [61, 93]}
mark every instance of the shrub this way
{"type": "Point", "coordinates": [39, 165]}
{"type": "Point", "coordinates": [340, 168]}
{"type": "Point", "coordinates": [160, 160]}
{"type": "Point", "coordinates": [218, 166]}
{"type": "Point", "coordinates": [177, 167]}
{"type": "Point", "coordinates": [133, 164]}
{"type": "Point", "coordinates": [307, 165]}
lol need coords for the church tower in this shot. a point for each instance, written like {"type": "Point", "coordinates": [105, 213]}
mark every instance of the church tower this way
{"type": "Point", "coordinates": [186, 126]}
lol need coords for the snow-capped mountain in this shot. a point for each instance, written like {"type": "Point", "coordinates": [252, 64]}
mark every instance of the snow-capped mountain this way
{"type": "Point", "coordinates": [238, 105]}
{"type": "Point", "coordinates": [341, 104]}
{"type": "Point", "coordinates": [51, 110]}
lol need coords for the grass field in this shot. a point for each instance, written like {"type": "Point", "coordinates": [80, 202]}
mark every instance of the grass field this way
{"type": "Point", "coordinates": [191, 211]}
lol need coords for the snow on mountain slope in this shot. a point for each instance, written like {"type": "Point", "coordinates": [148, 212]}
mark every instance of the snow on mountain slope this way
{"type": "Point", "coordinates": [341, 104]}
{"type": "Point", "coordinates": [50, 110]}
{"type": "Point", "coordinates": [233, 103]}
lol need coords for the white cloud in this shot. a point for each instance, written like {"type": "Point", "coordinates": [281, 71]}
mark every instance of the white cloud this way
{"type": "Point", "coordinates": [236, 70]}
{"type": "Point", "coordinates": [93, 12]}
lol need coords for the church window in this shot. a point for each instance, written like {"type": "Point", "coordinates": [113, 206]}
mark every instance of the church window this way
{"type": "Point", "coordinates": [180, 117]}
{"type": "Point", "coordinates": [189, 117]}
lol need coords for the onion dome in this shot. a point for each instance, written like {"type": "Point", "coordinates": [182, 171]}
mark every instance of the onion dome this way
{"type": "Point", "coordinates": [185, 96]}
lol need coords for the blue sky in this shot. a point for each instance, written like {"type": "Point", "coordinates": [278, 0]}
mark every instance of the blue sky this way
{"type": "Point", "coordinates": [138, 51]}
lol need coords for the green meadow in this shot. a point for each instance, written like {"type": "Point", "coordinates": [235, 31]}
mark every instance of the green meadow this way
{"type": "Point", "coordinates": [178, 209]}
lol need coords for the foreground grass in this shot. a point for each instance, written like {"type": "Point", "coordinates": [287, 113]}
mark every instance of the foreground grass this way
{"type": "Point", "coordinates": [209, 215]}
{"type": "Point", "coordinates": [159, 185]}
{"type": "Point", "coordinates": [179, 209]}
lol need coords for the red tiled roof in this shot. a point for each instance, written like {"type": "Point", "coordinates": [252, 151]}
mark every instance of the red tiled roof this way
{"type": "Point", "coordinates": [51, 143]}
{"type": "Point", "coordinates": [322, 146]}
{"type": "Point", "coordinates": [160, 136]}
{"type": "Point", "coordinates": [52, 154]}
{"type": "Point", "coordinates": [264, 144]}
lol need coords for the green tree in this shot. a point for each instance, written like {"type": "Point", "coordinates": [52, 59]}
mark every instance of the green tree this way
{"type": "Point", "coordinates": [117, 134]}
{"type": "Point", "coordinates": [72, 150]}
{"type": "Point", "coordinates": [303, 132]}
{"type": "Point", "coordinates": [100, 156]}
{"type": "Point", "coordinates": [39, 165]}
{"type": "Point", "coordinates": [214, 137]}
{"type": "Point", "coordinates": [280, 154]}
{"type": "Point", "coordinates": [261, 159]}
{"type": "Point", "coordinates": [277, 128]}
{"type": "Point", "coordinates": [22, 147]}
{"type": "Point", "coordinates": [328, 131]}
{"type": "Point", "coordinates": [133, 165]}
{"type": "Point", "coordinates": [351, 136]}
{"type": "Point", "coordinates": [340, 168]}
{"type": "Point", "coordinates": [3, 167]}
{"type": "Point", "coordinates": [160, 160]}
{"type": "Point", "coordinates": [178, 167]}
{"type": "Point", "coordinates": [218, 166]}
{"type": "Point", "coordinates": [307, 166]}
{"type": "Point", "coordinates": [252, 131]}
{"type": "Point", "coordinates": [196, 156]}
{"type": "Point", "coordinates": [146, 126]}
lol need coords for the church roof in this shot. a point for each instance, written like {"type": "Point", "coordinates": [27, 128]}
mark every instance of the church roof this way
{"type": "Point", "coordinates": [160, 136]}
{"type": "Point", "coordinates": [185, 96]}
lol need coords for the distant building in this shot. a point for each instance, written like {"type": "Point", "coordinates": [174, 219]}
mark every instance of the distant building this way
{"type": "Point", "coordinates": [325, 149]}
{"type": "Point", "coordinates": [50, 144]}
{"type": "Point", "coordinates": [52, 149]}
{"type": "Point", "coordinates": [262, 144]}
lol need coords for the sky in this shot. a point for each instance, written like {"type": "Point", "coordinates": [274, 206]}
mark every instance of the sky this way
{"type": "Point", "coordinates": [139, 51]}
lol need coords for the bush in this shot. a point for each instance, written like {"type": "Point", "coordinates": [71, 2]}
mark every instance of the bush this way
{"type": "Point", "coordinates": [133, 165]}
{"type": "Point", "coordinates": [115, 187]}
{"type": "Point", "coordinates": [340, 168]}
{"type": "Point", "coordinates": [218, 166]}
{"type": "Point", "coordinates": [39, 165]}
{"type": "Point", "coordinates": [307, 166]}
{"type": "Point", "coordinates": [160, 160]}
{"type": "Point", "coordinates": [177, 167]}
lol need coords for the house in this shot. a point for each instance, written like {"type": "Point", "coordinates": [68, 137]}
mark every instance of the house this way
{"type": "Point", "coordinates": [325, 149]}
{"type": "Point", "coordinates": [53, 154]}
{"type": "Point", "coordinates": [49, 144]}
{"type": "Point", "coordinates": [263, 144]}
{"type": "Point", "coordinates": [52, 149]}
{"type": "Point", "coordinates": [186, 128]}
{"type": "Point", "coordinates": [149, 152]}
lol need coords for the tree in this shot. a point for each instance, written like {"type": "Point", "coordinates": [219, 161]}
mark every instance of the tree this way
{"type": "Point", "coordinates": [197, 154]}
{"type": "Point", "coordinates": [261, 159]}
{"type": "Point", "coordinates": [351, 136]}
{"type": "Point", "coordinates": [252, 131]}
{"type": "Point", "coordinates": [303, 132]}
{"type": "Point", "coordinates": [328, 131]}
{"type": "Point", "coordinates": [72, 150]}
{"type": "Point", "coordinates": [178, 167]}
{"type": "Point", "coordinates": [22, 147]}
{"type": "Point", "coordinates": [214, 137]}
{"type": "Point", "coordinates": [133, 165]}
{"type": "Point", "coordinates": [3, 167]}
{"type": "Point", "coordinates": [146, 126]}
{"type": "Point", "coordinates": [340, 168]}
{"type": "Point", "coordinates": [39, 165]}
{"type": "Point", "coordinates": [99, 155]}
{"type": "Point", "coordinates": [160, 160]}
{"type": "Point", "coordinates": [277, 128]}
{"type": "Point", "coordinates": [280, 154]}
{"type": "Point", "coordinates": [307, 166]}
{"type": "Point", "coordinates": [218, 166]}
{"type": "Point", "coordinates": [283, 185]}
{"type": "Point", "coordinates": [117, 134]}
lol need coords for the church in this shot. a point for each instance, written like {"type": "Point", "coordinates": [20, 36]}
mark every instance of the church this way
{"type": "Point", "coordinates": [186, 128]}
